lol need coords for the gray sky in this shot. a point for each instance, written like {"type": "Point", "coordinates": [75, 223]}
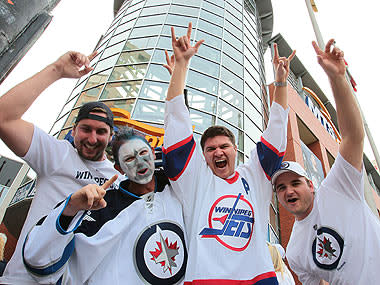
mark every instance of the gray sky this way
{"type": "Point", "coordinates": [77, 25]}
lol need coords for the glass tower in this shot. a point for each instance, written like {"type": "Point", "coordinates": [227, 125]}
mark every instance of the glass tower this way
{"type": "Point", "coordinates": [226, 79]}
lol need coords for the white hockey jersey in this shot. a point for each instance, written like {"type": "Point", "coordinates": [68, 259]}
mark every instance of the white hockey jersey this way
{"type": "Point", "coordinates": [131, 241]}
{"type": "Point", "coordinates": [226, 219]}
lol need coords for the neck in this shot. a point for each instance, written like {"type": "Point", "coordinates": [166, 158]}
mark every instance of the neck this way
{"type": "Point", "coordinates": [141, 189]}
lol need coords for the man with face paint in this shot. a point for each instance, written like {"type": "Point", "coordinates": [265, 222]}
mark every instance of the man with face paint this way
{"type": "Point", "coordinates": [133, 234]}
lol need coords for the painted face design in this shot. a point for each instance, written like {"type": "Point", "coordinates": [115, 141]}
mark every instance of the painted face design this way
{"type": "Point", "coordinates": [137, 161]}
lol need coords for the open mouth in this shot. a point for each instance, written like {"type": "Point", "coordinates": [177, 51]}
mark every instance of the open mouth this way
{"type": "Point", "coordinates": [292, 200]}
{"type": "Point", "coordinates": [220, 163]}
{"type": "Point", "coordinates": [142, 171]}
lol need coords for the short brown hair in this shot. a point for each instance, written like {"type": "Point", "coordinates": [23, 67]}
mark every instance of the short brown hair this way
{"type": "Point", "coordinates": [215, 131]}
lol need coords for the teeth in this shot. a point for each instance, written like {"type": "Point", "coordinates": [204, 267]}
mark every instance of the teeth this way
{"type": "Point", "coordinates": [220, 160]}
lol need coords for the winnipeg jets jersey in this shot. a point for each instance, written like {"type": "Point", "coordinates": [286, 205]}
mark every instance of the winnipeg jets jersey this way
{"type": "Point", "coordinates": [226, 219]}
{"type": "Point", "coordinates": [131, 241]}
{"type": "Point", "coordinates": [339, 241]}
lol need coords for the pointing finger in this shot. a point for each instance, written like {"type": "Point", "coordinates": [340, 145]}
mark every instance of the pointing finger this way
{"type": "Point", "coordinates": [292, 55]}
{"type": "Point", "coordinates": [92, 55]}
{"type": "Point", "coordinates": [108, 183]}
{"type": "Point", "coordinates": [198, 44]}
{"type": "Point", "coordinates": [318, 51]}
{"type": "Point", "coordinates": [173, 36]}
{"type": "Point", "coordinates": [276, 56]}
{"type": "Point", "coordinates": [329, 44]}
{"type": "Point", "coordinates": [189, 30]}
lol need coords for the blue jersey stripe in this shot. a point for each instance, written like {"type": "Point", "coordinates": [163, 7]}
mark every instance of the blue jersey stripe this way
{"type": "Point", "coordinates": [269, 158]}
{"type": "Point", "coordinates": [175, 159]}
{"type": "Point", "coordinates": [54, 267]}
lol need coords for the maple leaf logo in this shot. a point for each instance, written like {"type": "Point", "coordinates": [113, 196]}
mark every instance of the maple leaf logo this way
{"type": "Point", "coordinates": [325, 248]}
{"type": "Point", "coordinates": [165, 253]}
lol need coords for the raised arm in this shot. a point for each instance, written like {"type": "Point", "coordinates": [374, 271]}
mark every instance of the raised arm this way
{"type": "Point", "coordinates": [183, 51]}
{"type": "Point", "coordinates": [17, 133]}
{"type": "Point", "coordinates": [281, 68]}
{"type": "Point", "coordinates": [350, 122]}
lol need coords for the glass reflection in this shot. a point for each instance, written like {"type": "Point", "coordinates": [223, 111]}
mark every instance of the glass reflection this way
{"type": "Point", "coordinates": [214, 8]}
{"type": "Point", "coordinates": [135, 56]}
{"type": "Point", "coordinates": [149, 111]}
{"type": "Point", "coordinates": [121, 104]}
{"type": "Point", "coordinates": [150, 20]}
{"type": "Point", "coordinates": [232, 65]}
{"type": "Point", "coordinates": [154, 90]}
{"type": "Point", "coordinates": [97, 78]}
{"type": "Point", "coordinates": [129, 72]}
{"type": "Point", "coordinates": [209, 52]}
{"type": "Point", "coordinates": [232, 80]}
{"type": "Point", "coordinates": [158, 72]}
{"type": "Point", "coordinates": [209, 39]}
{"type": "Point", "coordinates": [140, 43]}
{"type": "Point", "coordinates": [162, 9]}
{"type": "Point", "coordinates": [121, 90]}
{"type": "Point", "coordinates": [211, 17]}
{"type": "Point", "coordinates": [106, 63]}
{"type": "Point", "coordinates": [205, 66]}
{"type": "Point", "coordinates": [145, 31]}
{"type": "Point", "coordinates": [200, 120]}
{"type": "Point", "coordinates": [113, 50]}
{"type": "Point", "coordinates": [230, 114]}
{"type": "Point", "coordinates": [182, 10]}
{"type": "Point", "coordinates": [89, 95]}
{"type": "Point", "coordinates": [254, 114]}
{"type": "Point", "coordinates": [249, 145]}
{"type": "Point", "coordinates": [231, 96]}
{"type": "Point", "coordinates": [201, 101]}
{"type": "Point", "coordinates": [210, 28]}
{"type": "Point", "coordinates": [252, 130]}
{"type": "Point", "coordinates": [202, 82]}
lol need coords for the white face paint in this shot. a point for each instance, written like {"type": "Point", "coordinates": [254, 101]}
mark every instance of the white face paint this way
{"type": "Point", "coordinates": [137, 161]}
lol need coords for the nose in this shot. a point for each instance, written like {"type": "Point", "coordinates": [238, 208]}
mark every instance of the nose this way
{"type": "Point", "coordinates": [218, 152]}
{"type": "Point", "coordinates": [92, 138]}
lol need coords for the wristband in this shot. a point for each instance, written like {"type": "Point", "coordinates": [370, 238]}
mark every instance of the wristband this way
{"type": "Point", "coordinates": [280, 84]}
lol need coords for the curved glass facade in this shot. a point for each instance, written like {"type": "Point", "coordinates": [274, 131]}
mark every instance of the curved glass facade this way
{"type": "Point", "coordinates": [225, 83]}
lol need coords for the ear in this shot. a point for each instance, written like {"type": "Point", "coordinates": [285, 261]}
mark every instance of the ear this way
{"type": "Point", "coordinates": [311, 185]}
{"type": "Point", "coordinates": [74, 131]}
{"type": "Point", "coordinates": [118, 168]}
{"type": "Point", "coordinates": [235, 147]}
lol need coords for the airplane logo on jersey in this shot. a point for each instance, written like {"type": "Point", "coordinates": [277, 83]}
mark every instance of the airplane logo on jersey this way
{"type": "Point", "coordinates": [165, 253]}
{"type": "Point", "coordinates": [160, 254]}
{"type": "Point", "coordinates": [230, 226]}
{"type": "Point", "coordinates": [327, 248]}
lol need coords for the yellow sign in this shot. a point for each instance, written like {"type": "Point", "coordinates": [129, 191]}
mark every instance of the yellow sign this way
{"type": "Point", "coordinates": [155, 136]}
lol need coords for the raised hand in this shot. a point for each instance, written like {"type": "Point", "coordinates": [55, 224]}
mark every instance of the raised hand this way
{"type": "Point", "coordinates": [183, 51]}
{"type": "Point", "coordinates": [90, 197]}
{"type": "Point", "coordinates": [331, 60]}
{"type": "Point", "coordinates": [74, 64]}
{"type": "Point", "coordinates": [281, 65]}
{"type": "Point", "coordinates": [169, 62]}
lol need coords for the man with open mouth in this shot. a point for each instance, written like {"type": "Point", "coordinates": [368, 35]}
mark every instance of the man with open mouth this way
{"type": "Point", "coordinates": [335, 236]}
{"type": "Point", "coordinates": [225, 208]}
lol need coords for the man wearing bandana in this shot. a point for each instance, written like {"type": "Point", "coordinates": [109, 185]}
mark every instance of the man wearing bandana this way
{"type": "Point", "coordinates": [132, 234]}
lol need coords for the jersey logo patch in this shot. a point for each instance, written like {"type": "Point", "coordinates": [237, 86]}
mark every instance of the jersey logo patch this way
{"type": "Point", "coordinates": [230, 222]}
{"type": "Point", "coordinates": [160, 254]}
{"type": "Point", "coordinates": [327, 248]}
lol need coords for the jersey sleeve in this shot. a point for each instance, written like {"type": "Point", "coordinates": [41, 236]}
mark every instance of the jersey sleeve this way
{"type": "Point", "coordinates": [344, 178]}
{"type": "Point", "coordinates": [272, 145]}
{"type": "Point", "coordinates": [182, 158]}
{"type": "Point", "coordinates": [44, 152]}
{"type": "Point", "coordinates": [48, 246]}
{"type": "Point", "coordinates": [305, 277]}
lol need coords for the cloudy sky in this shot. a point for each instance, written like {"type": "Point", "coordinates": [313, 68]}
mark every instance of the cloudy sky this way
{"type": "Point", "coordinates": [77, 25]}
